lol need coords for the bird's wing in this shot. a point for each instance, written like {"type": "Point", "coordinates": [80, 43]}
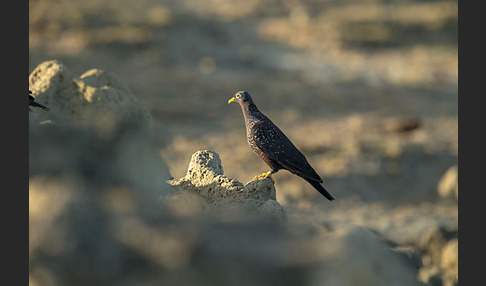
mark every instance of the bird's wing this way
{"type": "Point", "coordinates": [273, 142]}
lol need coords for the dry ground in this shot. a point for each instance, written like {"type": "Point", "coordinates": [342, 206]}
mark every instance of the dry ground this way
{"type": "Point", "coordinates": [333, 76]}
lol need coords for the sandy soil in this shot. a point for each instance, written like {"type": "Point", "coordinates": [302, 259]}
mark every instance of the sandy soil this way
{"type": "Point", "coordinates": [337, 78]}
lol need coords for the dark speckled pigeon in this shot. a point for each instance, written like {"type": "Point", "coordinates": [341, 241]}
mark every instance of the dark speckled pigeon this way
{"type": "Point", "coordinates": [271, 144]}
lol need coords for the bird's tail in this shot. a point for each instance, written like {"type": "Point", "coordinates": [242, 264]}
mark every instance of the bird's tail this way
{"type": "Point", "coordinates": [40, 105]}
{"type": "Point", "coordinates": [321, 189]}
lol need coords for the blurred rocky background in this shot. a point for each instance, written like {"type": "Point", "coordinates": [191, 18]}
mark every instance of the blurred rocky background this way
{"type": "Point", "coordinates": [138, 93]}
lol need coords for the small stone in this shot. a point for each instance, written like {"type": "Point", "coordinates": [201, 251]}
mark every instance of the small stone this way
{"type": "Point", "coordinates": [449, 259]}
{"type": "Point", "coordinates": [448, 186]}
{"type": "Point", "coordinates": [401, 125]}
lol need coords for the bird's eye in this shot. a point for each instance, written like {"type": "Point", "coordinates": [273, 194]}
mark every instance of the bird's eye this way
{"type": "Point", "coordinates": [238, 95]}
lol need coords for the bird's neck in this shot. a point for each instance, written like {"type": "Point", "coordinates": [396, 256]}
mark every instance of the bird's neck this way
{"type": "Point", "coordinates": [251, 110]}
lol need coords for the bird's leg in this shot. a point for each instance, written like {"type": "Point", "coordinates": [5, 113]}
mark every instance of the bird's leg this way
{"type": "Point", "coordinates": [263, 176]}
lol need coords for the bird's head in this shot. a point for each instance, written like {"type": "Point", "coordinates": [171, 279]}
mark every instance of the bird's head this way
{"type": "Point", "coordinates": [241, 97]}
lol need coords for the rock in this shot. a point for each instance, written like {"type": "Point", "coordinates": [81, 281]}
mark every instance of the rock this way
{"type": "Point", "coordinates": [431, 276]}
{"type": "Point", "coordinates": [450, 261]}
{"type": "Point", "coordinates": [126, 158]}
{"type": "Point", "coordinates": [205, 178]}
{"type": "Point", "coordinates": [79, 233]}
{"type": "Point", "coordinates": [355, 256]}
{"type": "Point", "coordinates": [431, 243]}
{"type": "Point", "coordinates": [89, 178]}
{"type": "Point", "coordinates": [448, 186]}
{"type": "Point", "coordinates": [185, 204]}
{"type": "Point", "coordinates": [439, 268]}
{"type": "Point", "coordinates": [96, 97]}
{"type": "Point", "coordinates": [409, 253]}
{"type": "Point", "coordinates": [68, 224]}
{"type": "Point", "coordinates": [96, 130]}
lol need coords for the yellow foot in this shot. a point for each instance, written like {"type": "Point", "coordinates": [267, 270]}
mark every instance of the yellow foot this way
{"type": "Point", "coordinates": [263, 176]}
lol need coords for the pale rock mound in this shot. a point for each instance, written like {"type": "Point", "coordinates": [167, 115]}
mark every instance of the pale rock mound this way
{"type": "Point", "coordinates": [205, 179]}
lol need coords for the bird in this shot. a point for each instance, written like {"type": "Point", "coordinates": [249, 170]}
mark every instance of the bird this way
{"type": "Point", "coordinates": [35, 104]}
{"type": "Point", "coordinates": [273, 146]}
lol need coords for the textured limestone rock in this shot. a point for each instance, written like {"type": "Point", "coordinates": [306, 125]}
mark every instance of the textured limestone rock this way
{"type": "Point", "coordinates": [205, 178]}
{"type": "Point", "coordinates": [97, 97]}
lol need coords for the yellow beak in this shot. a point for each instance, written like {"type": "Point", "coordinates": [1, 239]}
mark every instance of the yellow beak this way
{"type": "Point", "coordinates": [231, 100]}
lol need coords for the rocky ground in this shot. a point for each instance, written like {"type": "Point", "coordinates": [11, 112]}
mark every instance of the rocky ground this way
{"type": "Point", "coordinates": [367, 90]}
